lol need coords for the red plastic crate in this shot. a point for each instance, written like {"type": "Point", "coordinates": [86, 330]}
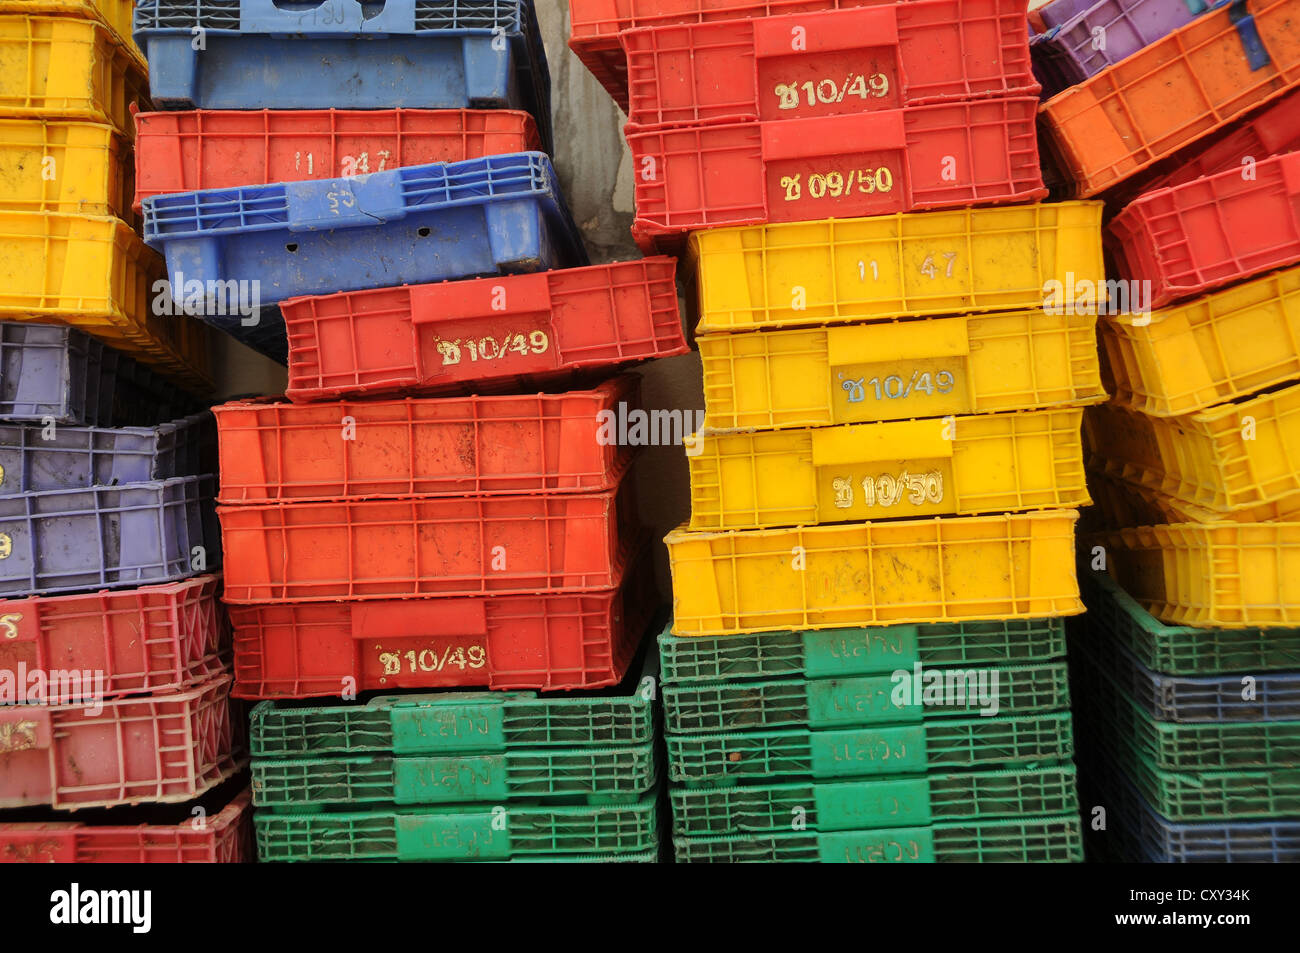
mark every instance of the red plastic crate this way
{"type": "Point", "coordinates": [514, 332]}
{"type": "Point", "coordinates": [920, 157]}
{"type": "Point", "coordinates": [439, 446]}
{"type": "Point", "coordinates": [223, 838]}
{"type": "Point", "coordinates": [216, 149]}
{"type": "Point", "coordinates": [545, 642]}
{"type": "Point", "coordinates": [396, 549]}
{"type": "Point", "coordinates": [169, 747]}
{"type": "Point", "coordinates": [151, 639]}
{"type": "Point", "coordinates": [1191, 238]}
{"type": "Point", "coordinates": [836, 63]}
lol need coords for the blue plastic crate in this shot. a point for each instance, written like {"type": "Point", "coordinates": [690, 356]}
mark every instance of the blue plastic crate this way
{"type": "Point", "coordinates": [495, 215]}
{"type": "Point", "coordinates": [345, 54]}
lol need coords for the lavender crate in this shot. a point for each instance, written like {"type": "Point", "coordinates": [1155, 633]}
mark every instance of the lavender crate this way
{"type": "Point", "coordinates": [107, 537]}
{"type": "Point", "coordinates": [36, 458]}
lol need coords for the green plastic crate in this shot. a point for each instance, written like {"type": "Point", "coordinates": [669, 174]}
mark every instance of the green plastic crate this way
{"type": "Point", "coordinates": [726, 759]}
{"type": "Point", "coordinates": [1182, 650]}
{"type": "Point", "coordinates": [1025, 840]}
{"type": "Point", "coordinates": [861, 805]}
{"type": "Point", "coordinates": [859, 700]}
{"type": "Point", "coordinates": [596, 774]}
{"type": "Point", "coordinates": [460, 832]}
{"type": "Point", "coordinates": [876, 650]}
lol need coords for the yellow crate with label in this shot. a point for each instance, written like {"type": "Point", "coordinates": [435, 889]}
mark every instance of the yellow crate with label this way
{"type": "Point", "coordinates": [65, 166]}
{"type": "Point", "coordinates": [987, 463]}
{"type": "Point", "coordinates": [896, 370]}
{"type": "Point", "coordinates": [841, 271]}
{"type": "Point", "coordinates": [938, 569]}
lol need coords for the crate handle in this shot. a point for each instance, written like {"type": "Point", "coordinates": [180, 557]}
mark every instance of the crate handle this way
{"type": "Point", "coordinates": [868, 443]}
{"type": "Point", "coordinates": [326, 16]}
{"type": "Point", "coordinates": [826, 32]}
{"type": "Point", "coordinates": [417, 618]}
{"type": "Point", "coordinates": [24, 728]}
{"type": "Point", "coordinates": [864, 132]}
{"type": "Point", "coordinates": [480, 298]}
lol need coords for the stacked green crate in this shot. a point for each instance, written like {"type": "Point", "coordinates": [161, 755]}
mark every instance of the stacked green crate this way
{"type": "Point", "coordinates": [461, 776]}
{"type": "Point", "coordinates": [813, 746]}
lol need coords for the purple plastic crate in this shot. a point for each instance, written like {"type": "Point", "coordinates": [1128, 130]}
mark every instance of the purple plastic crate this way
{"type": "Point", "coordinates": [69, 458]}
{"type": "Point", "coordinates": [107, 537]}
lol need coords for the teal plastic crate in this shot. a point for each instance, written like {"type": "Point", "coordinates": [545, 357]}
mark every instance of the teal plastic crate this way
{"type": "Point", "coordinates": [766, 756]}
{"type": "Point", "coordinates": [875, 650]}
{"type": "Point", "coordinates": [915, 800]}
{"type": "Point", "coordinates": [861, 700]}
{"type": "Point", "coordinates": [1023, 840]}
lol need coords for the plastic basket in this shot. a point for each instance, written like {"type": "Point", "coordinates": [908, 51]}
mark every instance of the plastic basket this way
{"type": "Point", "coordinates": [980, 152]}
{"type": "Point", "coordinates": [925, 570]}
{"type": "Point", "coordinates": [967, 364]}
{"type": "Point", "coordinates": [515, 332]}
{"type": "Point", "coordinates": [64, 166]}
{"type": "Point", "coordinates": [939, 263]}
{"type": "Point", "coordinates": [163, 748]}
{"type": "Point", "coordinates": [1223, 64]}
{"type": "Point", "coordinates": [115, 14]}
{"type": "Point", "coordinates": [430, 54]}
{"type": "Point", "coordinates": [861, 805]}
{"type": "Point", "coordinates": [451, 446]}
{"type": "Point", "coordinates": [1022, 840]}
{"type": "Point", "coordinates": [546, 641]}
{"type": "Point", "coordinates": [222, 149]}
{"type": "Point", "coordinates": [460, 833]}
{"type": "Point", "coordinates": [827, 64]}
{"type": "Point", "coordinates": [991, 463]}
{"type": "Point", "coordinates": [832, 653]}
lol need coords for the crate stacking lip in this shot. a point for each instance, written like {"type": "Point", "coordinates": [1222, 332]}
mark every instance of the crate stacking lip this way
{"type": "Point", "coordinates": [968, 465]}
{"type": "Point", "coordinates": [54, 371]}
{"type": "Point", "coordinates": [937, 263]}
{"type": "Point", "coordinates": [425, 546]}
{"type": "Point", "coordinates": [151, 639]}
{"type": "Point", "coordinates": [842, 653]}
{"type": "Point", "coordinates": [1183, 650]}
{"type": "Point", "coordinates": [416, 224]}
{"type": "Point", "coordinates": [1228, 575]}
{"type": "Point", "coordinates": [75, 458]}
{"type": "Point", "coordinates": [64, 166]}
{"type": "Point", "coordinates": [62, 68]}
{"type": "Point", "coordinates": [827, 64]}
{"type": "Point", "coordinates": [896, 370]}
{"type": "Point", "coordinates": [159, 748]}
{"type": "Point", "coordinates": [919, 800]}
{"type": "Point", "coordinates": [1125, 504]}
{"type": "Point", "coordinates": [712, 760]}
{"type": "Point", "coordinates": [947, 155]}
{"type": "Point", "coordinates": [922, 570]}
{"type": "Point", "coordinates": [1216, 348]}
{"type": "Point", "coordinates": [864, 700]}
{"type": "Point", "coordinates": [225, 148]}
{"type": "Point", "coordinates": [426, 447]}
{"type": "Point", "coordinates": [427, 54]}
{"type": "Point", "coordinates": [485, 334]}
{"type": "Point", "coordinates": [1191, 238]}
{"type": "Point", "coordinates": [94, 272]}
{"type": "Point", "coordinates": [107, 537]}
{"type": "Point", "coordinates": [225, 837]}
{"type": "Point", "coordinates": [1123, 120]}
{"type": "Point", "coordinates": [460, 832]}
{"type": "Point", "coordinates": [543, 641]}
{"type": "Point", "coordinates": [1021, 840]}
{"type": "Point", "coordinates": [1224, 459]}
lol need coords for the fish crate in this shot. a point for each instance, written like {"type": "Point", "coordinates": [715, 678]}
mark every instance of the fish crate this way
{"type": "Point", "coordinates": [65, 166]}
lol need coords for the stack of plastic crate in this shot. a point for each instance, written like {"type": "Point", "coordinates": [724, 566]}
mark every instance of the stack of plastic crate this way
{"type": "Point", "coordinates": [69, 246]}
{"type": "Point", "coordinates": [114, 649]}
{"type": "Point", "coordinates": [890, 455]}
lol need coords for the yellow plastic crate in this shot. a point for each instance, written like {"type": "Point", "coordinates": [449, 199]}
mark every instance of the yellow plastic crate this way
{"type": "Point", "coordinates": [65, 166]}
{"type": "Point", "coordinates": [990, 463]}
{"type": "Point", "coordinates": [115, 14]}
{"type": "Point", "coordinates": [1217, 348]}
{"type": "Point", "coordinates": [924, 263]}
{"type": "Point", "coordinates": [1120, 505]}
{"type": "Point", "coordinates": [96, 274]}
{"type": "Point", "coordinates": [1230, 575]}
{"type": "Point", "coordinates": [1222, 459]}
{"type": "Point", "coordinates": [61, 68]}
{"type": "Point", "coordinates": [896, 370]}
{"type": "Point", "coordinates": [855, 574]}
